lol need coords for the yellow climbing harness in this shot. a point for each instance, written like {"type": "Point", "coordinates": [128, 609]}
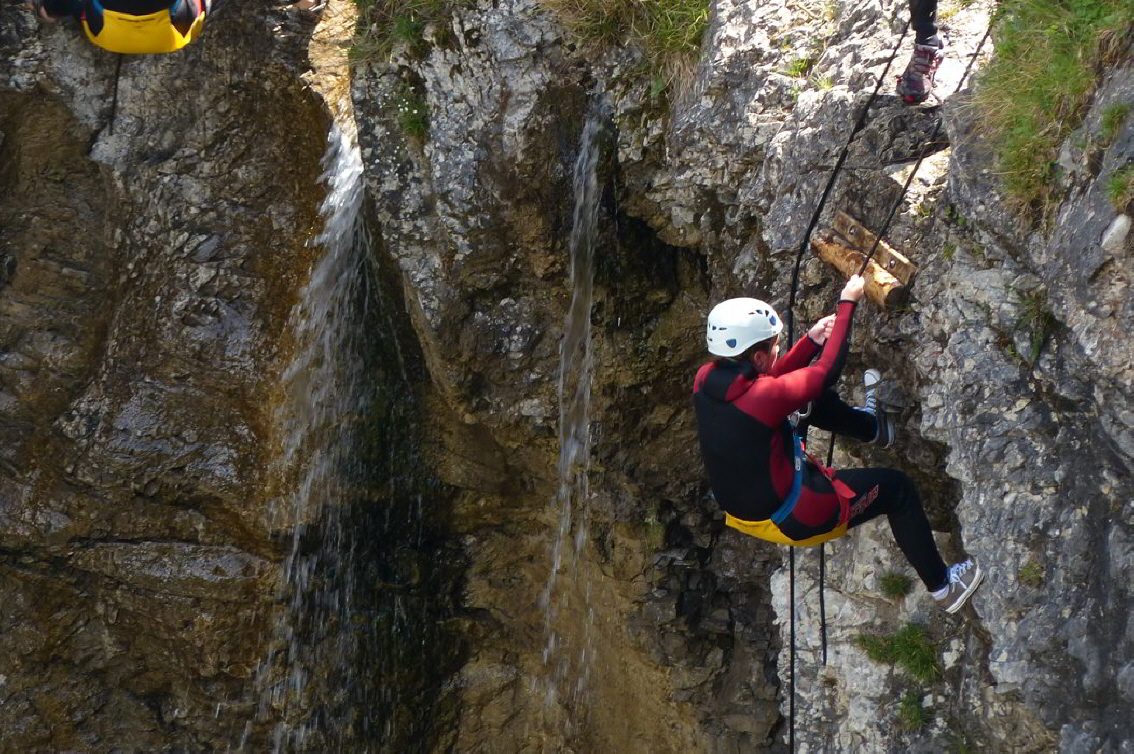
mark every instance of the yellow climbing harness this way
{"type": "Point", "coordinates": [769, 532]}
{"type": "Point", "coordinates": [151, 33]}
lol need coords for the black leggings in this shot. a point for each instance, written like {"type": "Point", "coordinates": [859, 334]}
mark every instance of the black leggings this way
{"type": "Point", "coordinates": [890, 492]}
{"type": "Point", "coordinates": [831, 414]}
{"type": "Point", "coordinates": [882, 491]}
{"type": "Point", "coordinates": [923, 18]}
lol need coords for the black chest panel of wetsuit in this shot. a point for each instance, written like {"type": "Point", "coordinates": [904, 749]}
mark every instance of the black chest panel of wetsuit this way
{"type": "Point", "coordinates": [137, 7]}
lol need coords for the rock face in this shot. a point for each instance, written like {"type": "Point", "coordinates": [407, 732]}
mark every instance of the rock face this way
{"type": "Point", "coordinates": [149, 269]}
{"type": "Point", "coordinates": [508, 592]}
{"type": "Point", "coordinates": [723, 179]}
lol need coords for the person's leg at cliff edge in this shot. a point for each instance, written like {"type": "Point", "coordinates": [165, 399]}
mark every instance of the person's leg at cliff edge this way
{"type": "Point", "coordinates": [916, 84]}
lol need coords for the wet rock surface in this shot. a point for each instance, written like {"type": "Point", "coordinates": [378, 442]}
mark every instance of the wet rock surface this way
{"type": "Point", "coordinates": [148, 270]}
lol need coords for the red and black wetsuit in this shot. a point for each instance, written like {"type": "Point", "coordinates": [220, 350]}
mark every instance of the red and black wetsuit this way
{"type": "Point", "coordinates": [749, 446]}
{"type": "Point", "coordinates": [748, 443]}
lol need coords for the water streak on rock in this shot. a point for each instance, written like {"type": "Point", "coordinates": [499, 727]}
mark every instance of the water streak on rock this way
{"type": "Point", "coordinates": [566, 652]}
{"type": "Point", "coordinates": [305, 683]}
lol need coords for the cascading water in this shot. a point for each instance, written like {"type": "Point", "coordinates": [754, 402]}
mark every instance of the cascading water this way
{"type": "Point", "coordinates": [325, 398]}
{"type": "Point", "coordinates": [350, 658]}
{"type": "Point", "coordinates": [566, 653]}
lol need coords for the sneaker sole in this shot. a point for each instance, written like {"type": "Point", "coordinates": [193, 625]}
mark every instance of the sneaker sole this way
{"type": "Point", "coordinates": [967, 593]}
{"type": "Point", "coordinates": [891, 432]}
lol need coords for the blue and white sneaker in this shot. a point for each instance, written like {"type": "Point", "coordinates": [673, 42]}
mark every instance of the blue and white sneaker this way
{"type": "Point", "coordinates": [964, 578]}
{"type": "Point", "coordinates": [884, 435]}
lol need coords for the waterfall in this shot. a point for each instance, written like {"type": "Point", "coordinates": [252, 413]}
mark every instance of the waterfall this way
{"type": "Point", "coordinates": [362, 643]}
{"type": "Point", "coordinates": [323, 405]}
{"type": "Point", "coordinates": [567, 651]}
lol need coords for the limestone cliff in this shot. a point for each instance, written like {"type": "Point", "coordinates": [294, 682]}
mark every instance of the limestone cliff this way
{"type": "Point", "coordinates": [469, 584]}
{"type": "Point", "coordinates": [1007, 365]}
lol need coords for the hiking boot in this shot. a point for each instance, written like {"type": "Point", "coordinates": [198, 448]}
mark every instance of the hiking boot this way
{"type": "Point", "coordinates": [916, 83]}
{"type": "Point", "coordinates": [884, 435]}
{"type": "Point", "coordinates": [964, 578]}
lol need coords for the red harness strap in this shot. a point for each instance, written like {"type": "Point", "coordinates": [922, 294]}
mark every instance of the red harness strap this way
{"type": "Point", "coordinates": [842, 491]}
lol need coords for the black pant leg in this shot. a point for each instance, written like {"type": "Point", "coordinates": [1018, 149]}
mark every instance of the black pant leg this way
{"type": "Point", "coordinates": [61, 8]}
{"type": "Point", "coordinates": [832, 414]}
{"type": "Point", "coordinates": [891, 492]}
{"type": "Point", "coordinates": [923, 18]}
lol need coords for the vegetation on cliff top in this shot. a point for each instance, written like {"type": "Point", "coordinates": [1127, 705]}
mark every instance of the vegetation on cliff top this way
{"type": "Point", "coordinates": [668, 32]}
{"type": "Point", "coordinates": [1050, 55]}
{"type": "Point", "coordinates": [384, 23]}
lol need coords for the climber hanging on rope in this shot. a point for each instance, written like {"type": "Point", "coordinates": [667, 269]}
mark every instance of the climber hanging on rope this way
{"type": "Point", "coordinates": [915, 85]}
{"type": "Point", "coordinates": [768, 486]}
{"type": "Point", "coordinates": [133, 26]}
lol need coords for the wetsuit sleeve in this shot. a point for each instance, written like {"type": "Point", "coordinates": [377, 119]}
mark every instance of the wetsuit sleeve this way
{"type": "Point", "coordinates": [773, 399]}
{"type": "Point", "coordinates": [61, 8]}
{"type": "Point", "coordinates": [798, 357]}
{"type": "Point", "coordinates": [841, 337]}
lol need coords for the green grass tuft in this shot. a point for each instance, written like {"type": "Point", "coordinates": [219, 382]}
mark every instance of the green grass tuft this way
{"type": "Point", "coordinates": [1031, 574]}
{"type": "Point", "coordinates": [1112, 120]}
{"type": "Point", "coordinates": [800, 67]}
{"type": "Point", "coordinates": [1120, 187]}
{"type": "Point", "coordinates": [954, 216]}
{"type": "Point", "coordinates": [668, 32]}
{"type": "Point", "coordinates": [896, 585]}
{"type": "Point", "coordinates": [959, 743]}
{"type": "Point", "coordinates": [1049, 54]}
{"type": "Point", "coordinates": [412, 112]}
{"type": "Point", "coordinates": [1036, 317]}
{"type": "Point", "coordinates": [909, 648]}
{"type": "Point", "coordinates": [912, 716]}
{"type": "Point", "coordinates": [383, 24]}
{"type": "Point", "coordinates": [409, 29]}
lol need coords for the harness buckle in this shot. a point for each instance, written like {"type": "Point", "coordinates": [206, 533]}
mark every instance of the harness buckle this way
{"type": "Point", "coordinates": [797, 416]}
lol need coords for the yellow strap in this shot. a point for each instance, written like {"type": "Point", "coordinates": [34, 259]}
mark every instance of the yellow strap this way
{"type": "Point", "coordinates": [153, 32]}
{"type": "Point", "coordinates": [769, 532]}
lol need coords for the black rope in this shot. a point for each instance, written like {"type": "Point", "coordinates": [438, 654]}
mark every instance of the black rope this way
{"type": "Point", "coordinates": [823, 567]}
{"type": "Point", "coordinates": [114, 98]}
{"type": "Point", "coordinates": [822, 602]}
{"type": "Point", "coordinates": [924, 153]}
{"type": "Point", "coordinates": [791, 703]}
{"type": "Point", "coordinates": [858, 124]}
{"type": "Point", "coordinates": [791, 324]}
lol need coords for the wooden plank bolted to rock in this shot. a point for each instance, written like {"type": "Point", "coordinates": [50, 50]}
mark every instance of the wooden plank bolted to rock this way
{"type": "Point", "coordinates": [882, 288]}
{"type": "Point", "coordinates": [862, 239]}
{"type": "Point", "coordinates": [888, 274]}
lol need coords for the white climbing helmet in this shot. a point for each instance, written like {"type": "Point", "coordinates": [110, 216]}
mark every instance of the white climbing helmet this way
{"type": "Point", "coordinates": [736, 324]}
